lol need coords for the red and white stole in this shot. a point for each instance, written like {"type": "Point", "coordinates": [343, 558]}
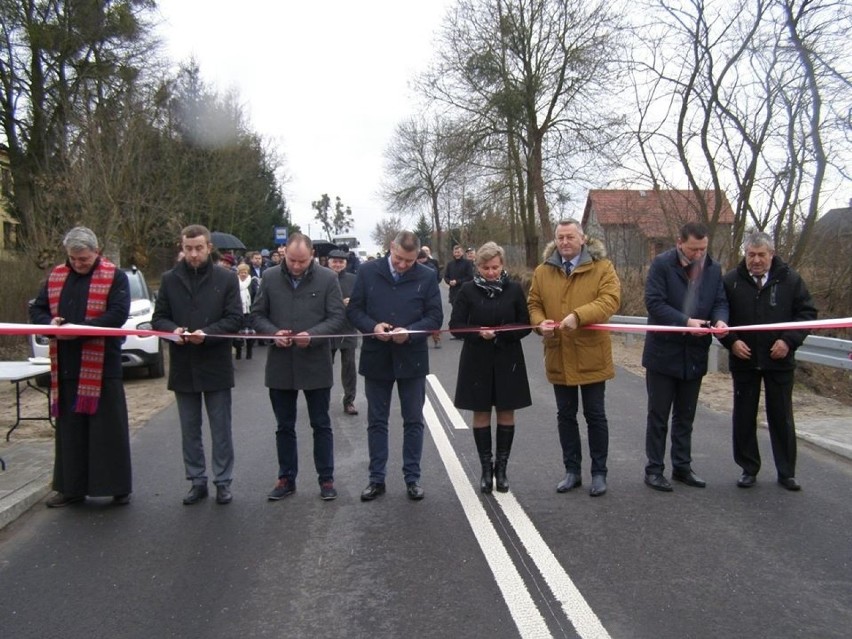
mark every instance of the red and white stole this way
{"type": "Point", "coordinates": [92, 360]}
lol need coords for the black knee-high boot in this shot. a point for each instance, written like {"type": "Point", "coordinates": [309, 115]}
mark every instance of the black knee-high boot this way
{"type": "Point", "coordinates": [482, 437]}
{"type": "Point", "coordinates": [505, 435]}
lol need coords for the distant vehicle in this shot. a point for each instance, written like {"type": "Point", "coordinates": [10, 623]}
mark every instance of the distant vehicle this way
{"type": "Point", "coordinates": [349, 240]}
{"type": "Point", "coordinates": [136, 352]}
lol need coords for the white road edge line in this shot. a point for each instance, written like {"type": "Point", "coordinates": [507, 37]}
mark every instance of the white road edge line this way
{"type": "Point", "coordinates": [577, 610]}
{"type": "Point", "coordinates": [527, 618]}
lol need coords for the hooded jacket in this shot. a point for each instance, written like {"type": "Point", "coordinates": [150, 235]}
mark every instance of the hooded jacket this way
{"type": "Point", "coordinates": [593, 293]}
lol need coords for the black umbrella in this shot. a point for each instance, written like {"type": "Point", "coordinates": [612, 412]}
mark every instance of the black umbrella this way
{"type": "Point", "coordinates": [226, 241]}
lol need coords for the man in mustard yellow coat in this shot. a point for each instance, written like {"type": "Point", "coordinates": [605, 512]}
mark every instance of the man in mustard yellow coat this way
{"type": "Point", "coordinates": [576, 286]}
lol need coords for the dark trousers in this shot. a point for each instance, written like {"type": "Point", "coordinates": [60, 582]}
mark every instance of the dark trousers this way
{"type": "Point", "coordinates": [594, 410]}
{"type": "Point", "coordinates": [678, 397]}
{"type": "Point", "coordinates": [92, 452]}
{"type": "Point", "coordinates": [348, 373]}
{"type": "Point", "coordinates": [779, 418]}
{"type": "Point", "coordinates": [284, 407]}
{"type": "Point", "coordinates": [412, 394]}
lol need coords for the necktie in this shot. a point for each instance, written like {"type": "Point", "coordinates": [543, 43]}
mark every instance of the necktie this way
{"type": "Point", "coordinates": [395, 276]}
{"type": "Point", "coordinates": [758, 279]}
{"type": "Point", "coordinates": [567, 267]}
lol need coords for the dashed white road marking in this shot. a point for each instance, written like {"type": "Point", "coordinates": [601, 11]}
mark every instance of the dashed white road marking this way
{"type": "Point", "coordinates": [576, 608]}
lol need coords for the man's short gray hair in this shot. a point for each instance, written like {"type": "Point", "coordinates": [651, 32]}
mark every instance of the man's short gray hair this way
{"type": "Point", "coordinates": [80, 238]}
{"type": "Point", "coordinates": [571, 221]}
{"type": "Point", "coordinates": [758, 239]}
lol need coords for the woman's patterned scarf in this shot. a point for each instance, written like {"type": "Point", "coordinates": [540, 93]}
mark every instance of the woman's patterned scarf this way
{"type": "Point", "coordinates": [92, 357]}
{"type": "Point", "coordinates": [492, 289]}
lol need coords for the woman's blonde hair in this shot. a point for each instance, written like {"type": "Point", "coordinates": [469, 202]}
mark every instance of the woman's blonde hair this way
{"type": "Point", "coordinates": [243, 268]}
{"type": "Point", "coordinates": [488, 252]}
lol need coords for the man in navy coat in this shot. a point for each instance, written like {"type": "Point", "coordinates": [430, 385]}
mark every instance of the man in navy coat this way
{"type": "Point", "coordinates": [684, 288]}
{"type": "Point", "coordinates": [392, 298]}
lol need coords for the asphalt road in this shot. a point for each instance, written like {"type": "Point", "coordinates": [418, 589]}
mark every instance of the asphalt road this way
{"type": "Point", "coordinates": [718, 562]}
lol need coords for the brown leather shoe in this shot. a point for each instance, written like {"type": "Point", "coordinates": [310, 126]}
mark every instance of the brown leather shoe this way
{"type": "Point", "coordinates": [350, 409]}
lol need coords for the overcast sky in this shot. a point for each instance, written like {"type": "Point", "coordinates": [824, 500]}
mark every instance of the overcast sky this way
{"type": "Point", "coordinates": [327, 82]}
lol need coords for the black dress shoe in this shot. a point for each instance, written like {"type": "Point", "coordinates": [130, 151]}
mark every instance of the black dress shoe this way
{"type": "Point", "coordinates": [790, 483]}
{"type": "Point", "coordinates": [598, 485]}
{"type": "Point", "coordinates": [60, 501]}
{"type": "Point", "coordinates": [121, 500]}
{"type": "Point", "coordinates": [372, 491]}
{"type": "Point", "coordinates": [195, 494]}
{"type": "Point", "coordinates": [658, 482]}
{"type": "Point", "coordinates": [415, 491]}
{"type": "Point", "coordinates": [689, 478]}
{"type": "Point", "coordinates": [570, 482]}
{"type": "Point", "coordinates": [223, 494]}
{"type": "Point", "coordinates": [746, 481]}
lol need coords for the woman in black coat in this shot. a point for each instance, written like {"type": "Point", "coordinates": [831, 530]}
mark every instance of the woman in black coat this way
{"type": "Point", "coordinates": [492, 370]}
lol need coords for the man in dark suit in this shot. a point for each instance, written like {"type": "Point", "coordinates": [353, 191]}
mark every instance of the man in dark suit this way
{"type": "Point", "coordinates": [392, 297]}
{"type": "Point", "coordinates": [684, 288]}
{"type": "Point", "coordinates": [763, 289]}
{"type": "Point", "coordinates": [337, 262]}
{"type": "Point", "coordinates": [458, 271]}
{"type": "Point", "coordinates": [197, 299]}
{"type": "Point", "coordinates": [256, 264]}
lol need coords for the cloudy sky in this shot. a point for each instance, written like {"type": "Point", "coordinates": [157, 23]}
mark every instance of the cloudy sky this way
{"type": "Point", "coordinates": [327, 82]}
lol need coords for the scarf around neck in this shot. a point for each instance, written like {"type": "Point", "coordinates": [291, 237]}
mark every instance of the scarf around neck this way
{"type": "Point", "coordinates": [491, 289]}
{"type": "Point", "coordinates": [92, 356]}
{"type": "Point", "coordinates": [245, 294]}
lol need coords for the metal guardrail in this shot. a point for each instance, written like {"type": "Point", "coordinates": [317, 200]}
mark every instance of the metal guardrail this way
{"type": "Point", "coordinates": [828, 351]}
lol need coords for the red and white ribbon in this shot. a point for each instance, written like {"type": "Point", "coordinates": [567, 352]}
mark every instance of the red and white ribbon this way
{"type": "Point", "coordinates": [76, 330]}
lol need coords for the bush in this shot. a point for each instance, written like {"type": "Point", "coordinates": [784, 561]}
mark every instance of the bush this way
{"type": "Point", "coordinates": [20, 282]}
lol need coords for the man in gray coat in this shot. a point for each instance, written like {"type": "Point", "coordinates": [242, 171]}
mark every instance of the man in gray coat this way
{"type": "Point", "coordinates": [337, 262]}
{"type": "Point", "coordinates": [299, 302]}
{"type": "Point", "coordinates": [196, 301]}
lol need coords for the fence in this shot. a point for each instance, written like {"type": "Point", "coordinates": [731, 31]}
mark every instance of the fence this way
{"type": "Point", "coordinates": [827, 351]}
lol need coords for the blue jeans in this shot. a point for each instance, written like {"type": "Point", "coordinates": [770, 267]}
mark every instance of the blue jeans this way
{"type": "Point", "coordinates": [218, 404]}
{"type": "Point", "coordinates": [594, 410]}
{"type": "Point", "coordinates": [412, 394]}
{"type": "Point", "coordinates": [284, 407]}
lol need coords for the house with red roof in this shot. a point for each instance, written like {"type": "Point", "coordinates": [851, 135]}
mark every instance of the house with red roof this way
{"type": "Point", "coordinates": [637, 225]}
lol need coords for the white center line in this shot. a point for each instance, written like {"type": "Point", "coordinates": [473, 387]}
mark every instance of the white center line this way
{"type": "Point", "coordinates": [579, 613]}
{"type": "Point", "coordinates": [444, 400]}
{"type": "Point", "coordinates": [521, 606]}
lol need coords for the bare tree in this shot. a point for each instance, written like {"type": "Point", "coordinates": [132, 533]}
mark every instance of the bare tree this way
{"type": "Point", "coordinates": [731, 100]}
{"type": "Point", "coordinates": [386, 230]}
{"type": "Point", "coordinates": [423, 161]}
{"type": "Point", "coordinates": [530, 70]}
